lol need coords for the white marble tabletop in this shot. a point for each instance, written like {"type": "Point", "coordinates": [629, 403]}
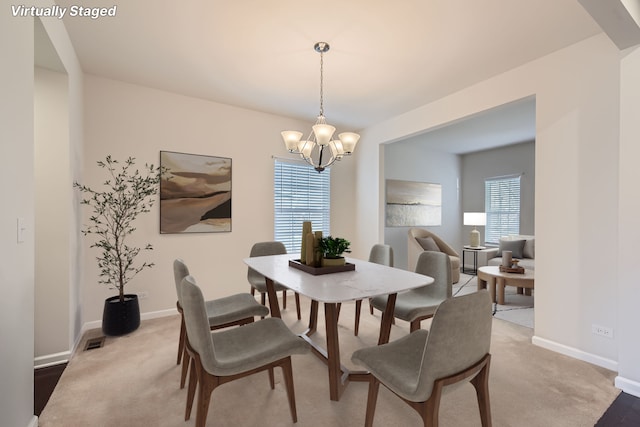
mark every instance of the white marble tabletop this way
{"type": "Point", "coordinates": [366, 281]}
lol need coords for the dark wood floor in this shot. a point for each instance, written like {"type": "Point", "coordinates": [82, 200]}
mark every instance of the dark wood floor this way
{"type": "Point", "coordinates": [44, 381]}
{"type": "Point", "coordinates": [623, 412]}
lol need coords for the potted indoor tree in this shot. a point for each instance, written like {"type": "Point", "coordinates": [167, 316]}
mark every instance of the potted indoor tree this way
{"type": "Point", "coordinates": [127, 193]}
{"type": "Point", "coordinates": [332, 249]}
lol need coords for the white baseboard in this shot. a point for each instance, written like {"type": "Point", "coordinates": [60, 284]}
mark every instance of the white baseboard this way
{"type": "Point", "coordinates": [33, 422]}
{"type": "Point", "coordinates": [609, 364]}
{"type": "Point", "coordinates": [51, 359]}
{"type": "Point", "coordinates": [97, 324]}
{"type": "Point", "coordinates": [628, 386]}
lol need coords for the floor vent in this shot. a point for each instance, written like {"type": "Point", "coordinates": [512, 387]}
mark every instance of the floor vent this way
{"type": "Point", "coordinates": [93, 343]}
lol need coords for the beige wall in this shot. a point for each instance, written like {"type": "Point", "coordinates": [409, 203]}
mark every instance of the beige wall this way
{"type": "Point", "coordinates": [52, 212]}
{"type": "Point", "coordinates": [16, 259]}
{"type": "Point", "coordinates": [577, 102]}
{"type": "Point", "coordinates": [628, 290]}
{"type": "Point", "coordinates": [128, 120]}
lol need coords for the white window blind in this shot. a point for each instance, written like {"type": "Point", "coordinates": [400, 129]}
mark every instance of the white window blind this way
{"type": "Point", "coordinates": [502, 205]}
{"type": "Point", "coordinates": [300, 194]}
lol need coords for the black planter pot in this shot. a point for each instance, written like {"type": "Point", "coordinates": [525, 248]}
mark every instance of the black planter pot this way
{"type": "Point", "coordinates": [120, 317]}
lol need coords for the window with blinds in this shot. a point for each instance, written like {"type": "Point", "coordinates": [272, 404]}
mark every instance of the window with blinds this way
{"type": "Point", "coordinates": [300, 194]}
{"type": "Point", "coordinates": [502, 205]}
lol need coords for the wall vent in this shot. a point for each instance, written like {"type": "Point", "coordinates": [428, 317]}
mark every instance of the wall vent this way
{"type": "Point", "coordinates": [93, 343]}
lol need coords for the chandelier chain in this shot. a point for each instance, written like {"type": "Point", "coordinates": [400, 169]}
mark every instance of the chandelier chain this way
{"type": "Point", "coordinates": [321, 83]}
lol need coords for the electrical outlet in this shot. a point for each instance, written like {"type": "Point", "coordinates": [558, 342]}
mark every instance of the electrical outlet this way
{"type": "Point", "coordinates": [143, 294]}
{"type": "Point", "coordinates": [602, 331]}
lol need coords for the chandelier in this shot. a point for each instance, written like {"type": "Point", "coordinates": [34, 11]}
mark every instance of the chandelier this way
{"type": "Point", "coordinates": [319, 149]}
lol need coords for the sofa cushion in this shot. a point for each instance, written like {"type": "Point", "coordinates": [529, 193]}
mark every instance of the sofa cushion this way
{"type": "Point", "coordinates": [529, 250]}
{"type": "Point", "coordinates": [428, 244]}
{"type": "Point", "coordinates": [515, 246]}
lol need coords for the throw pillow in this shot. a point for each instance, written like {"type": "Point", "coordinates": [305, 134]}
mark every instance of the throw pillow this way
{"type": "Point", "coordinates": [515, 246]}
{"type": "Point", "coordinates": [529, 249]}
{"type": "Point", "coordinates": [428, 244]}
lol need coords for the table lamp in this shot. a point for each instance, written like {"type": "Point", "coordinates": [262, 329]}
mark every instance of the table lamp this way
{"type": "Point", "coordinates": [475, 219]}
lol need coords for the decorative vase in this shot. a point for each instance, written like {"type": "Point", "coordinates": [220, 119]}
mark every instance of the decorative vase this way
{"type": "Point", "coordinates": [120, 317]}
{"type": "Point", "coordinates": [306, 229]}
{"type": "Point", "coordinates": [332, 262]}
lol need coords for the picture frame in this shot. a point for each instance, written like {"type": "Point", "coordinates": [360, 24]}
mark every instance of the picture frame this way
{"type": "Point", "coordinates": [195, 193]}
{"type": "Point", "coordinates": [412, 203]}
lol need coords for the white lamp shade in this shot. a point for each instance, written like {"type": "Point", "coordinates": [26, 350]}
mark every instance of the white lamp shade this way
{"type": "Point", "coordinates": [305, 148]}
{"type": "Point", "coordinates": [323, 133]}
{"type": "Point", "coordinates": [336, 149]}
{"type": "Point", "coordinates": [475, 218]}
{"type": "Point", "coordinates": [291, 139]}
{"type": "Point", "coordinates": [349, 141]}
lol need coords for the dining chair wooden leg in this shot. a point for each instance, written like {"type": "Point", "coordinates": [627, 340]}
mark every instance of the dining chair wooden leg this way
{"type": "Point", "coordinates": [297, 296]}
{"type": "Point", "coordinates": [357, 322]}
{"type": "Point", "coordinates": [183, 334]}
{"type": "Point", "coordinates": [287, 372]}
{"type": "Point", "coordinates": [372, 397]}
{"type": "Point", "coordinates": [272, 381]}
{"type": "Point", "coordinates": [415, 325]}
{"type": "Point", "coordinates": [430, 410]}
{"type": "Point", "coordinates": [207, 384]}
{"type": "Point", "coordinates": [481, 384]}
{"type": "Point", "coordinates": [370, 307]}
{"type": "Point", "coordinates": [191, 390]}
{"type": "Point", "coordinates": [185, 367]}
{"type": "Point", "coordinates": [338, 307]}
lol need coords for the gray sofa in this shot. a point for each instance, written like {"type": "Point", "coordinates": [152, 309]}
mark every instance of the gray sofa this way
{"type": "Point", "coordinates": [522, 247]}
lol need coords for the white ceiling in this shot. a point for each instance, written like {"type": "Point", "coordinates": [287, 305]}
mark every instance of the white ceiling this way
{"type": "Point", "coordinates": [386, 57]}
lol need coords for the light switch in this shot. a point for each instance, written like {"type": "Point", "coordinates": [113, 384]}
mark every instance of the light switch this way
{"type": "Point", "coordinates": [22, 228]}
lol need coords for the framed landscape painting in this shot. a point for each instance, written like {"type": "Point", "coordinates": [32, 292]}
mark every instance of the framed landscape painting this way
{"type": "Point", "coordinates": [195, 193]}
{"type": "Point", "coordinates": [411, 203]}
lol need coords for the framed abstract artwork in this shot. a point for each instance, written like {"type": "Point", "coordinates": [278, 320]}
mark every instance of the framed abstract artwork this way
{"type": "Point", "coordinates": [195, 193]}
{"type": "Point", "coordinates": [410, 203]}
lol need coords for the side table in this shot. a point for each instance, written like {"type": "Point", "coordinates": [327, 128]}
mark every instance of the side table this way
{"type": "Point", "coordinates": [473, 250]}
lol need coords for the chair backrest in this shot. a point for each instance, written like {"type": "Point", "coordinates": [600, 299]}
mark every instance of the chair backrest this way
{"type": "Point", "coordinates": [197, 322]}
{"type": "Point", "coordinates": [438, 266]}
{"type": "Point", "coordinates": [381, 254]}
{"type": "Point", "coordinates": [459, 336]}
{"type": "Point", "coordinates": [263, 249]}
{"type": "Point", "coordinates": [180, 271]}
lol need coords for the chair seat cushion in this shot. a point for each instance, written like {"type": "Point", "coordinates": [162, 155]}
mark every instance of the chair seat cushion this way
{"type": "Point", "coordinates": [396, 364]}
{"type": "Point", "coordinates": [234, 307]}
{"type": "Point", "coordinates": [253, 345]}
{"type": "Point", "coordinates": [410, 305]}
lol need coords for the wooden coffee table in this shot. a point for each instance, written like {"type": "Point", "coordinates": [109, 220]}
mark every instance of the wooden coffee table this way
{"type": "Point", "coordinates": [497, 280]}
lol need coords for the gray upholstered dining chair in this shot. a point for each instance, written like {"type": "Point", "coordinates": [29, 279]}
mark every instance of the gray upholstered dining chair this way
{"type": "Point", "coordinates": [418, 366]}
{"type": "Point", "coordinates": [379, 254]}
{"type": "Point", "coordinates": [223, 356]}
{"type": "Point", "coordinates": [257, 281]}
{"type": "Point", "coordinates": [419, 304]}
{"type": "Point", "coordinates": [238, 309]}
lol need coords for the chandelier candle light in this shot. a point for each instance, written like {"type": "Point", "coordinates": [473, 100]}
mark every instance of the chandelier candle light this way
{"type": "Point", "coordinates": [315, 146]}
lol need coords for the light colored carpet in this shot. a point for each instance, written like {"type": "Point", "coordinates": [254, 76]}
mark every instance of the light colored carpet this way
{"type": "Point", "coordinates": [517, 308]}
{"type": "Point", "coordinates": [133, 381]}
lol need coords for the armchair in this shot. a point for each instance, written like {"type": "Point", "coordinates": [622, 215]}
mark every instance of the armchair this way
{"type": "Point", "coordinates": [415, 249]}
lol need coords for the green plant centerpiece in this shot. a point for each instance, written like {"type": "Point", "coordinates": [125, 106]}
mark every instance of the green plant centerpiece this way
{"type": "Point", "coordinates": [332, 249]}
{"type": "Point", "coordinates": [127, 193]}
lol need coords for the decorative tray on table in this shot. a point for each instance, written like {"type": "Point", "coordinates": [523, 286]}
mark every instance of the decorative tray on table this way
{"type": "Point", "coordinates": [515, 268]}
{"type": "Point", "coordinates": [316, 271]}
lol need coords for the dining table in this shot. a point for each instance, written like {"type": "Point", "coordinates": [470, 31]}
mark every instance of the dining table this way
{"type": "Point", "coordinates": [366, 280]}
